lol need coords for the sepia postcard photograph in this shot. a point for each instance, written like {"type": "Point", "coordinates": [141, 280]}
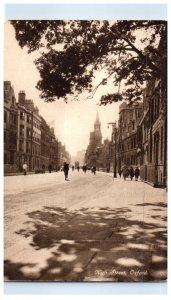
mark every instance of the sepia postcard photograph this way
{"type": "Point", "coordinates": [85, 150]}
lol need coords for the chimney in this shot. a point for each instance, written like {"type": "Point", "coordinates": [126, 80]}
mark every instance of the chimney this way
{"type": "Point", "coordinates": [36, 110]}
{"type": "Point", "coordinates": [21, 97]}
{"type": "Point", "coordinates": [7, 85]}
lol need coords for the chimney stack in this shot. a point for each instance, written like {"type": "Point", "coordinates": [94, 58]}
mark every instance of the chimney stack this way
{"type": "Point", "coordinates": [21, 97]}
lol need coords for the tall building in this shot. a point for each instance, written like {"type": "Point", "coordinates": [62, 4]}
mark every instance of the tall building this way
{"type": "Point", "coordinates": [10, 128]}
{"type": "Point", "coordinates": [95, 142]}
{"type": "Point", "coordinates": [154, 124]}
{"type": "Point", "coordinates": [105, 156]}
{"type": "Point", "coordinates": [53, 150]}
{"type": "Point", "coordinates": [128, 134]}
{"type": "Point", "coordinates": [45, 144]}
{"type": "Point", "coordinates": [154, 135]}
{"type": "Point", "coordinates": [29, 133]}
{"type": "Point", "coordinates": [27, 137]}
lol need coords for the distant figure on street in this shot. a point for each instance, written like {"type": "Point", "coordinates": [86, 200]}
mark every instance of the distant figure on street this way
{"type": "Point", "coordinates": [66, 169]}
{"type": "Point", "coordinates": [43, 169]}
{"type": "Point", "coordinates": [78, 168]}
{"type": "Point", "coordinates": [137, 173]}
{"type": "Point", "coordinates": [84, 168]}
{"type": "Point", "coordinates": [25, 168]}
{"type": "Point", "coordinates": [50, 168]}
{"type": "Point", "coordinates": [125, 172]}
{"type": "Point", "coordinates": [120, 173]}
{"type": "Point", "coordinates": [72, 168]}
{"type": "Point", "coordinates": [131, 172]}
{"type": "Point", "coordinates": [94, 170]}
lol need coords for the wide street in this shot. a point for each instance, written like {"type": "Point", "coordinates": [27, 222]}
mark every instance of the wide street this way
{"type": "Point", "coordinates": [91, 228]}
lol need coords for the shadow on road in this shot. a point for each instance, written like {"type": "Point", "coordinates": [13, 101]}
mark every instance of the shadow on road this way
{"type": "Point", "coordinates": [97, 244]}
{"type": "Point", "coordinates": [158, 204]}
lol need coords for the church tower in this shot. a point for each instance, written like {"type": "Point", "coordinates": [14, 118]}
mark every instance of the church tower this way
{"type": "Point", "coordinates": [92, 155]}
{"type": "Point", "coordinates": [97, 131]}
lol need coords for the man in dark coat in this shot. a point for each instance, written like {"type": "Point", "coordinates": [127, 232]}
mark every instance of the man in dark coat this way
{"type": "Point", "coordinates": [50, 168]}
{"type": "Point", "coordinates": [131, 172]}
{"type": "Point", "coordinates": [125, 172]}
{"type": "Point", "coordinates": [66, 169]}
{"type": "Point", "coordinates": [137, 173]}
{"type": "Point", "coordinates": [94, 170]}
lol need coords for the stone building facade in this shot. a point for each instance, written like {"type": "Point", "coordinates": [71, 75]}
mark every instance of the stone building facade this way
{"type": "Point", "coordinates": [10, 128]}
{"type": "Point", "coordinates": [154, 135]}
{"type": "Point", "coordinates": [128, 140]}
{"type": "Point", "coordinates": [29, 133]}
{"type": "Point", "coordinates": [27, 137]}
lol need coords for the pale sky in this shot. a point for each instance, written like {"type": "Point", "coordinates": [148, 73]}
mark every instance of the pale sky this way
{"type": "Point", "coordinates": [73, 121]}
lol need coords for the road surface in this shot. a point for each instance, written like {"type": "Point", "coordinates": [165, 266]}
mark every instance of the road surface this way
{"type": "Point", "coordinates": [90, 228]}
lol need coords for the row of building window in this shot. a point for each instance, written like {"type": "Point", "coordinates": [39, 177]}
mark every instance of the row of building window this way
{"type": "Point", "coordinates": [12, 118]}
{"type": "Point", "coordinates": [36, 148]}
{"type": "Point", "coordinates": [29, 119]}
{"type": "Point", "coordinates": [156, 146]}
{"type": "Point", "coordinates": [11, 138]}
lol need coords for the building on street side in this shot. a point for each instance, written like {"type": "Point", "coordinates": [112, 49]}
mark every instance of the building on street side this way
{"type": "Point", "coordinates": [10, 129]}
{"type": "Point", "coordinates": [127, 138]}
{"type": "Point", "coordinates": [45, 143]}
{"type": "Point", "coordinates": [27, 137]}
{"type": "Point", "coordinates": [29, 133]}
{"type": "Point", "coordinates": [154, 135]}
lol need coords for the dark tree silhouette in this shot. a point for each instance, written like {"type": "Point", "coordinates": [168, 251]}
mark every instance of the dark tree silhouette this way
{"type": "Point", "coordinates": [71, 53]}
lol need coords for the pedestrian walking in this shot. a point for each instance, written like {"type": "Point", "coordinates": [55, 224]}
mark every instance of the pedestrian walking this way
{"type": "Point", "coordinates": [72, 168]}
{"type": "Point", "coordinates": [25, 168]}
{"type": "Point", "coordinates": [125, 172]}
{"type": "Point", "coordinates": [137, 173]}
{"type": "Point", "coordinates": [66, 170]}
{"type": "Point", "coordinates": [131, 172]}
{"type": "Point", "coordinates": [50, 168]}
{"type": "Point", "coordinates": [94, 170]}
{"type": "Point", "coordinates": [120, 172]}
{"type": "Point", "coordinates": [84, 168]}
{"type": "Point", "coordinates": [78, 168]}
{"type": "Point", "coordinates": [43, 169]}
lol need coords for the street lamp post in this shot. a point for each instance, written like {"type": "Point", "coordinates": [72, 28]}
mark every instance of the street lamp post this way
{"type": "Point", "coordinates": [114, 130]}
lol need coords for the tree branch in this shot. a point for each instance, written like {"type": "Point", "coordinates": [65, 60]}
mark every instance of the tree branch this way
{"type": "Point", "coordinates": [144, 58]}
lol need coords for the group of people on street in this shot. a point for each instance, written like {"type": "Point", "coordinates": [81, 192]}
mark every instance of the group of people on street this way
{"type": "Point", "coordinates": [126, 172]}
{"type": "Point", "coordinates": [84, 168]}
{"type": "Point", "coordinates": [41, 170]}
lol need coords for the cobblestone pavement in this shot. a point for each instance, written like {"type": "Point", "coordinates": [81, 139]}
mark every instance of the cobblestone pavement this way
{"type": "Point", "coordinates": [90, 228]}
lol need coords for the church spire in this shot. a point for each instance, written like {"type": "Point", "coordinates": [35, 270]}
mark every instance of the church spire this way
{"type": "Point", "coordinates": [97, 125]}
{"type": "Point", "coordinates": [97, 118]}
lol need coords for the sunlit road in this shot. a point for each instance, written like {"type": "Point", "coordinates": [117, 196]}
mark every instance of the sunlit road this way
{"type": "Point", "coordinates": [88, 228]}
